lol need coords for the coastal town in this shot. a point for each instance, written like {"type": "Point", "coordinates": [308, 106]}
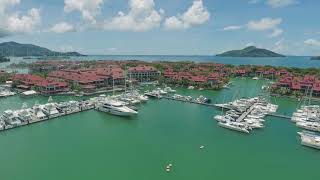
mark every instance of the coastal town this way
{"type": "Point", "coordinates": [95, 78]}
{"type": "Point", "coordinates": [70, 77]}
{"type": "Point", "coordinates": [159, 89]}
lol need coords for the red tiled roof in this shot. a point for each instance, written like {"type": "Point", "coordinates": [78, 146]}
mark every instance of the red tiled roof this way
{"type": "Point", "coordinates": [296, 86]}
{"type": "Point", "coordinates": [141, 69]}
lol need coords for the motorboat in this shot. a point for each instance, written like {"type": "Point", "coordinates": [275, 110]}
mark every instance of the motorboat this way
{"type": "Point", "coordinates": [310, 139]}
{"type": "Point", "coordinates": [169, 90]}
{"type": "Point", "coordinates": [202, 99]}
{"type": "Point", "coordinates": [220, 118]}
{"type": "Point", "coordinates": [6, 93]}
{"type": "Point", "coordinates": [116, 108]}
{"type": "Point", "coordinates": [312, 126]}
{"type": "Point", "coordinates": [10, 118]}
{"type": "Point", "coordinates": [50, 109]}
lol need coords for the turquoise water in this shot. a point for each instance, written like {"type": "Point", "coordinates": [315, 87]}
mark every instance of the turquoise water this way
{"type": "Point", "coordinates": [95, 145]}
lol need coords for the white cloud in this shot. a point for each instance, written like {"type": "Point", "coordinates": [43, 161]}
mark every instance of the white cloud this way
{"type": "Point", "coordinates": [280, 46]}
{"type": "Point", "coordinates": [16, 23]}
{"type": "Point", "coordinates": [197, 14]}
{"type": "Point", "coordinates": [173, 23]}
{"type": "Point", "coordinates": [253, 1]}
{"type": "Point", "coordinates": [312, 42]}
{"type": "Point", "coordinates": [4, 4]}
{"type": "Point", "coordinates": [142, 16]}
{"type": "Point", "coordinates": [276, 32]}
{"type": "Point", "coordinates": [280, 3]}
{"type": "Point", "coordinates": [232, 28]}
{"type": "Point", "coordinates": [20, 24]}
{"type": "Point", "coordinates": [12, 23]}
{"type": "Point", "coordinates": [266, 24]}
{"type": "Point", "coordinates": [249, 44]}
{"type": "Point", "coordinates": [62, 27]}
{"type": "Point", "coordinates": [88, 8]}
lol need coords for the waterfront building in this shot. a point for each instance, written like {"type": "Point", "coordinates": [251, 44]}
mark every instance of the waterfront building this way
{"type": "Point", "coordinates": [91, 79]}
{"type": "Point", "coordinates": [300, 84]}
{"type": "Point", "coordinates": [43, 85]}
{"type": "Point", "coordinates": [143, 73]}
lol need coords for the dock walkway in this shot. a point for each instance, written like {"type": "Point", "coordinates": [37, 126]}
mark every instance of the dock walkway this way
{"type": "Point", "coordinates": [245, 114]}
{"type": "Point", "coordinates": [222, 107]}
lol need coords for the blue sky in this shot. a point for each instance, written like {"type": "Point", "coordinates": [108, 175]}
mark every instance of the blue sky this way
{"type": "Point", "coordinates": [174, 27]}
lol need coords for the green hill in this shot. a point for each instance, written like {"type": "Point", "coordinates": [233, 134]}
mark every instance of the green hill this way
{"type": "Point", "coordinates": [315, 58]}
{"type": "Point", "coordinates": [20, 50]}
{"type": "Point", "coordinates": [4, 59]}
{"type": "Point", "coordinates": [250, 51]}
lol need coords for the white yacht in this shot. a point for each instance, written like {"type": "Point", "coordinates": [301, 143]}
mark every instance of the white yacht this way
{"type": "Point", "coordinates": [36, 110]}
{"type": "Point", "coordinates": [10, 118]}
{"type": "Point", "coordinates": [68, 107]}
{"type": "Point", "coordinates": [253, 123]}
{"type": "Point", "coordinates": [143, 98]}
{"type": "Point", "coordinates": [153, 93]}
{"type": "Point", "coordinates": [202, 99]}
{"type": "Point", "coordinates": [169, 90]}
{"type": "Point", "coordinates": [50, 109]}
{"type": "Point", "coordinates": [2, 125]}
{"type": "Point", "coordinates": [191, 87]}
{"type": "Point", "coordinates": [116, 108]}
{"type": "Point", "coordinates": [6, 93]}
{"type": "Point", "coordinates": [220, 118]}
{"type": "Point", "coordinates": [310, 139]}
{"type": "Point", "coordinates": [24, 114]}
{"type": "Point", "coordinates": [235, 126]}
{"type": "Point", "coordinates": [312, 126]}
{"type": "Point", "coordinates": [161, 91]}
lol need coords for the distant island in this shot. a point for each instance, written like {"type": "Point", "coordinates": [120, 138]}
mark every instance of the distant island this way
{"type": "Point", "coordinates": [21, 50]}
{"type": "Point", "coordinates": [250, 51]}
{"type": "Point", "coordinates": [4, 59]}
{"type": "Point", "coordinates": [315, 58]}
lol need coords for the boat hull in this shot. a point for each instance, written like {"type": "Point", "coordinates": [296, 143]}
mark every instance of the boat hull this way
{"type": "Point", "coordinates": [234, 128]}
{"type": "Point", "coordinates": [115, 112]}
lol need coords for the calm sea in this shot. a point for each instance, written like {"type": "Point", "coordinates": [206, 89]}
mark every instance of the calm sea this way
{"type": "Point", "coordinates": [290, 61]}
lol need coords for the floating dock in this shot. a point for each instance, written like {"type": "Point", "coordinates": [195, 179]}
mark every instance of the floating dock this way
{"type": "Point", "coordinates": [245, 114]}
{"type": "Point", "coordinates": [29, 122]}
{"type": "Point", "coordinates": [223, 107]}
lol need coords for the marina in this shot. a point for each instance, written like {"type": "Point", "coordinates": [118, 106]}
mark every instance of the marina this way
{"type": "Point", "coordinates": [245, 114]}
{"type": "Point", "coordinates": [38, 113]}
{"type": "Point", "coordinates": [307, 118]}
{"type": "Point", "coordinates": [190, 124]}
{"type": "Point", "coordinates": [159, 90]}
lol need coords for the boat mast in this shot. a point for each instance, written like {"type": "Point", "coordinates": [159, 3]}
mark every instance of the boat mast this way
{"type": "Point", "coordinates": [112, 85]}
{"type": "Point", "coordinates": [310, 96]}
{"type": "Point", "coordinates": [125, 79]}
